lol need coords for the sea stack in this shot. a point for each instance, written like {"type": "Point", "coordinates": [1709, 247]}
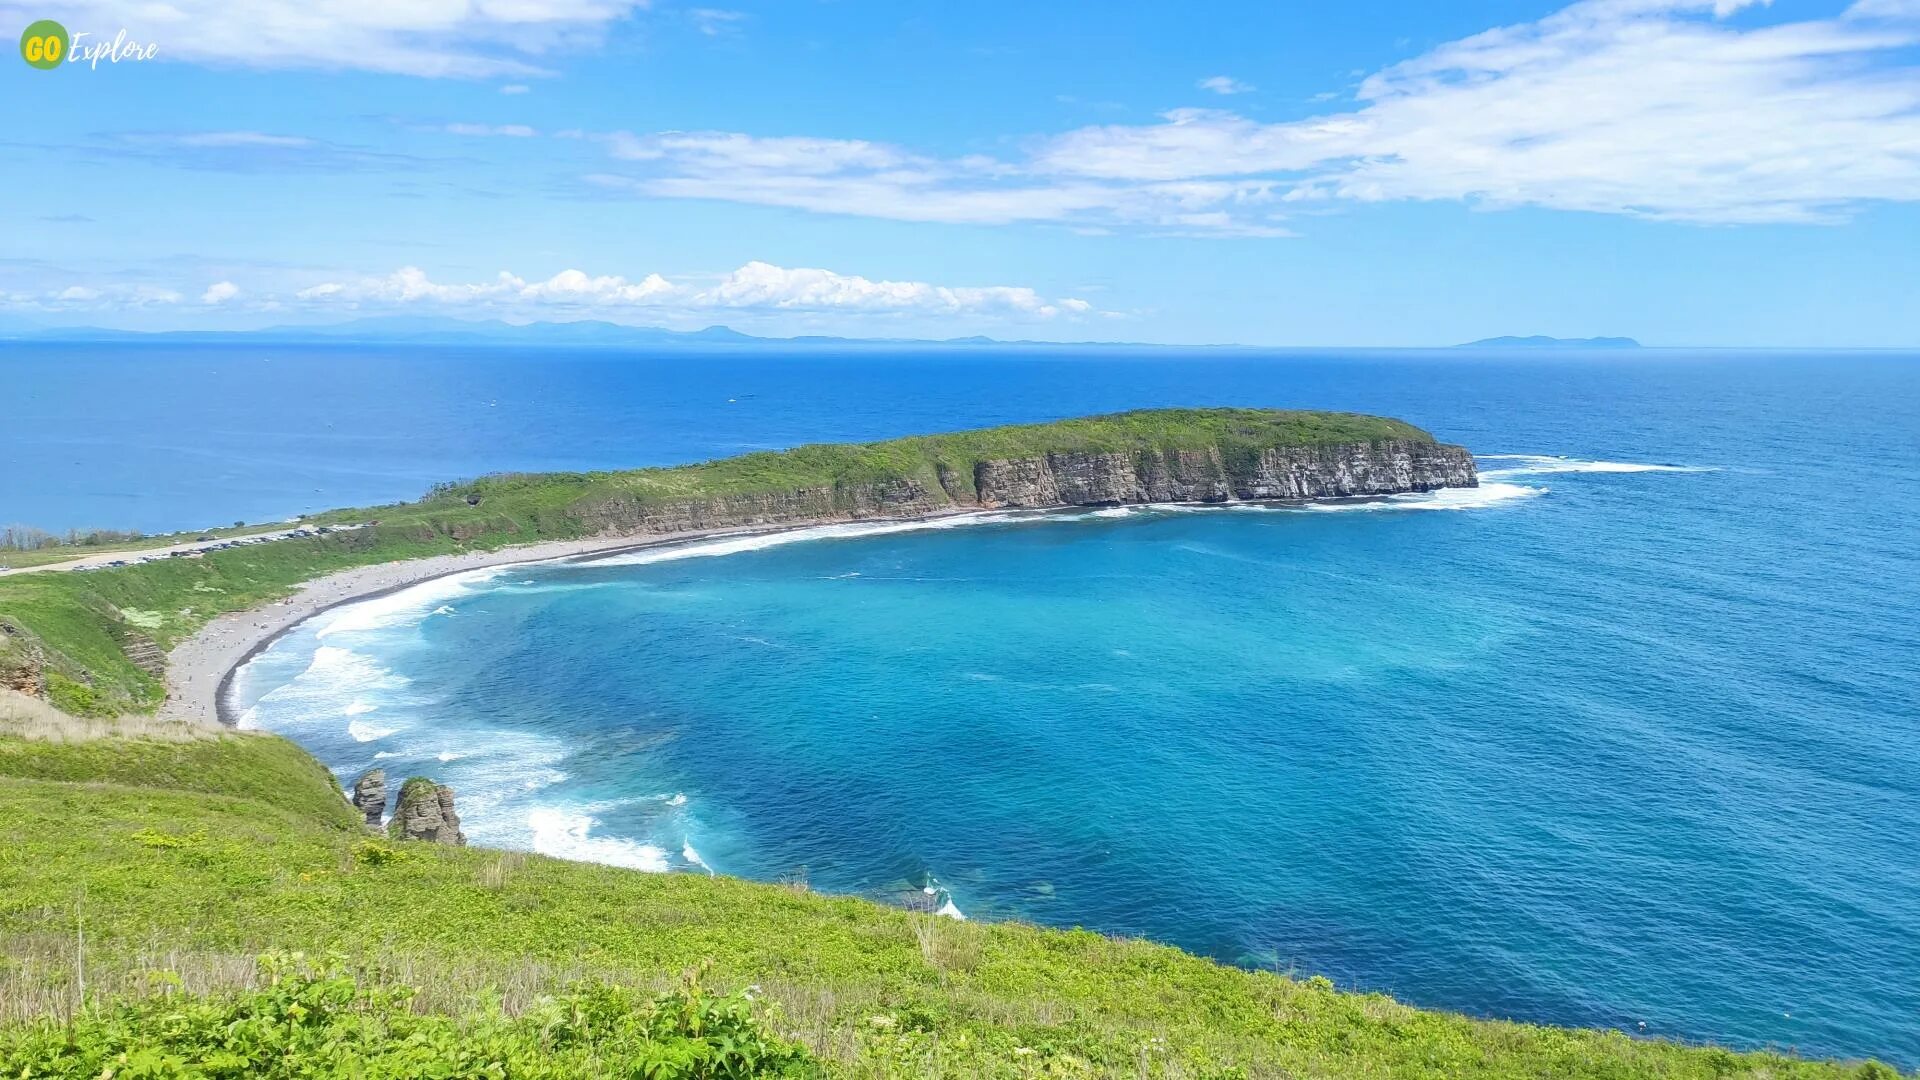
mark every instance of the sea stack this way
{"type": "Point", "coordinates": [370, 796]}
{"type": "Point", "coordinates": [425, 812]}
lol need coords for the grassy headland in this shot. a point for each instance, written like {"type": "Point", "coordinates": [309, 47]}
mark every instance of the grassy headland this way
{"type": "Point", "coordinates": [79, 627]}
{"type": "Point", "coordinates": [144, 865]}
{"type": "Point", "coordinates": [147, 869]}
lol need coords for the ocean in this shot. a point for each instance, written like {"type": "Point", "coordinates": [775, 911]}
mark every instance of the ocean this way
{"type": "Point", "coordinates": [1630, 736]}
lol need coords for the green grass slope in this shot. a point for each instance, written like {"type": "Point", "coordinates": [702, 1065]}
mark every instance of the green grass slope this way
{"type": "Point", "coordinates": [145, 867]}
{"type": "Point", "coordinates": [78, 626]}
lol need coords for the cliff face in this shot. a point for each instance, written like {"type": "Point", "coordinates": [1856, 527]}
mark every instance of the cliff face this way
{"type": "Point", "coordinates": [1385, 467]}
{"type": "Point", "coordinates": [1312, 472]}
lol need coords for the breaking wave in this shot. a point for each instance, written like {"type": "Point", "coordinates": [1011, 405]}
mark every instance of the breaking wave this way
{"type": "Point", "coordinates": [1473, 498]}
{"type": "Point", "coordinates": [402, 606]}
{"type": "Point", "coordinates": [568, 834]}
{"type": "Point", "coordinates": [1548, 465]}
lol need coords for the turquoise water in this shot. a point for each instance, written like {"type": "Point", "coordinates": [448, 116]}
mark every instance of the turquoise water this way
{"type": "Point", "coordinates": [1629, 736]}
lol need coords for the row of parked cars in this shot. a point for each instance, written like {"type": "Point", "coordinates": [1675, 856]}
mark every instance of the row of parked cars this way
{"type": "Point", "coordinates": [212, 543]}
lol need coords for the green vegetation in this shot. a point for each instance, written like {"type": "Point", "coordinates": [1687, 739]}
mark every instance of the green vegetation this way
{"type": "Point", "coordinates": [78, 626]}
{"type": "Point", "coordinates": [140, 877]}
{"type": "Point", "coordinates": [314, 1022]}
{"type": "Point", "coordinates": [161, 886]}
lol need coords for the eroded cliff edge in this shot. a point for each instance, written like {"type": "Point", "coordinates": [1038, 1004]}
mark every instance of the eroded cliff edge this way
{"type": "Point", "coordinates": [1065, 479]}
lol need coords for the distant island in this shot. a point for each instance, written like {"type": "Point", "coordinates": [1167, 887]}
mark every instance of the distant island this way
{"type": "Point", "coordinates": [1541, 341]}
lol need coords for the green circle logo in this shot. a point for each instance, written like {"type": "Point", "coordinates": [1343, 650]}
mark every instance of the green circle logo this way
{"type": "Point", "coordinates": [44, 44]}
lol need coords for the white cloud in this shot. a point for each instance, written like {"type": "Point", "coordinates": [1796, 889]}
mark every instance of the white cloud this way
{"type": "Point", "coordinates": [515, 88]}
{"type": "Point", "coordinates": [511, 131]}
{"type": "Point", "coordinates": [433, 38]}
{"type": "Point", "coordinates": [1885, 9]}
{"type": "Point", "coordinates": [1646, 107]}
{"type": "Point", "coordinates": [220, 292]}
{"type": "Point", "coordinates": [112, 296]}
{"type": "Point", "coordinates": [721, 151]}
{"type": "Point", "coordinates": [714, 21]}
{"type": "Point", "coordinates": [853, 176]}
{"type": "Point", "coordinates": [241, 151]}
{"type": "Point", "coordinates": [763, 285]}
{"type": "Point", "coordinates": [224, 140]}
{"type": "Point", "coordinates": [1664, 109]}
{"type": "Point", "coordinates": [757, 286]}
{"type": "Point", "coordinates": [1225, 84]}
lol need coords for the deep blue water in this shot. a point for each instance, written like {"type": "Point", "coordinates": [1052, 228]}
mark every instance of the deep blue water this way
{"type": "Point", "coordinates": [1591, 746]}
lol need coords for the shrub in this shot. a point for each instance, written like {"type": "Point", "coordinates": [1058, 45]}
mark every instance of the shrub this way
{"type": "Point", "coordinates": [316, 1022]}
{"type": "Point", "coordinates": [373, 853]}
{"type": "Point", "coordinates": [74, 697]}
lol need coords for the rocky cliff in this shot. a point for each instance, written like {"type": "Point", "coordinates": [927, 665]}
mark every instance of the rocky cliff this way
{"type": "Point", "coordinates": [1295, 472]}
{"type": "Point", "coordinates": [425, 812]}
{"type": "Point", "coordinates": [1070, 478]}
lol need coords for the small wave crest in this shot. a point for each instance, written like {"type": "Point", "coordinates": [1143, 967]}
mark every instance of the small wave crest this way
{"type": "Point", "coordinates": [361, 731]}
{"type": "Point", "coordinates": [940, 900]}
{"type": "Point", "coordinates": [1513, 465]}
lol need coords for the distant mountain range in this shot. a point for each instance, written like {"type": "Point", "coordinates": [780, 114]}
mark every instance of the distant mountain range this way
{"type": "Point", "coordinates": [418, 329]}
{"type": "Point", "coordinates": [1541, 341]}
{"type": "Point", "coordinates": [411, 329]}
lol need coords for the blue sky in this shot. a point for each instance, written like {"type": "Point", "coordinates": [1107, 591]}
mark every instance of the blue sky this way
{"type": "Point", "coordinates": [1372, 172]}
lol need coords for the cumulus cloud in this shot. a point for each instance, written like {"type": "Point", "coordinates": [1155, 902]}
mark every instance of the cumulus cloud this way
{"type": "Point", "coordinates": [435, 38]}
{"type": "Point", "coordinates": [763, 285]}
{"type": "Point", "coordinates": [757, 286]}
{"type": "Point", "coordinates": [220, 292]}
{"type": "Point", "coordinates": [1664, 109]}
{"type": "Point", "coordinates": [1225, 84]}
{"type": "Point", "coordinates": [410, 284]}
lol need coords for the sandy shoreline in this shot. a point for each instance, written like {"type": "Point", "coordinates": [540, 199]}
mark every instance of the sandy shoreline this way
{"type": "Point", "coordinates": [199, 668]}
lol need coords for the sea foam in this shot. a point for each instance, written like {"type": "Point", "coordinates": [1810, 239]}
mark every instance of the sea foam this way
{"type": "Point", "coordinates": [1547, 465]}
{"type": "Point", "coordinates": [361, 731]}
{"type": "Point", "coordinates": [402, 606]}
{"type": "Point", "coordinates": [568, 834]}
{"type": "Point", "coordinates": [1473, 498]}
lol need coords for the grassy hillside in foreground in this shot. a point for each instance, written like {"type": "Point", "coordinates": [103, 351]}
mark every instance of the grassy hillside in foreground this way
{"type": "Point", "coordinates": [154, 865]}
{"type": "Point", "coordinates": [78, 626]}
